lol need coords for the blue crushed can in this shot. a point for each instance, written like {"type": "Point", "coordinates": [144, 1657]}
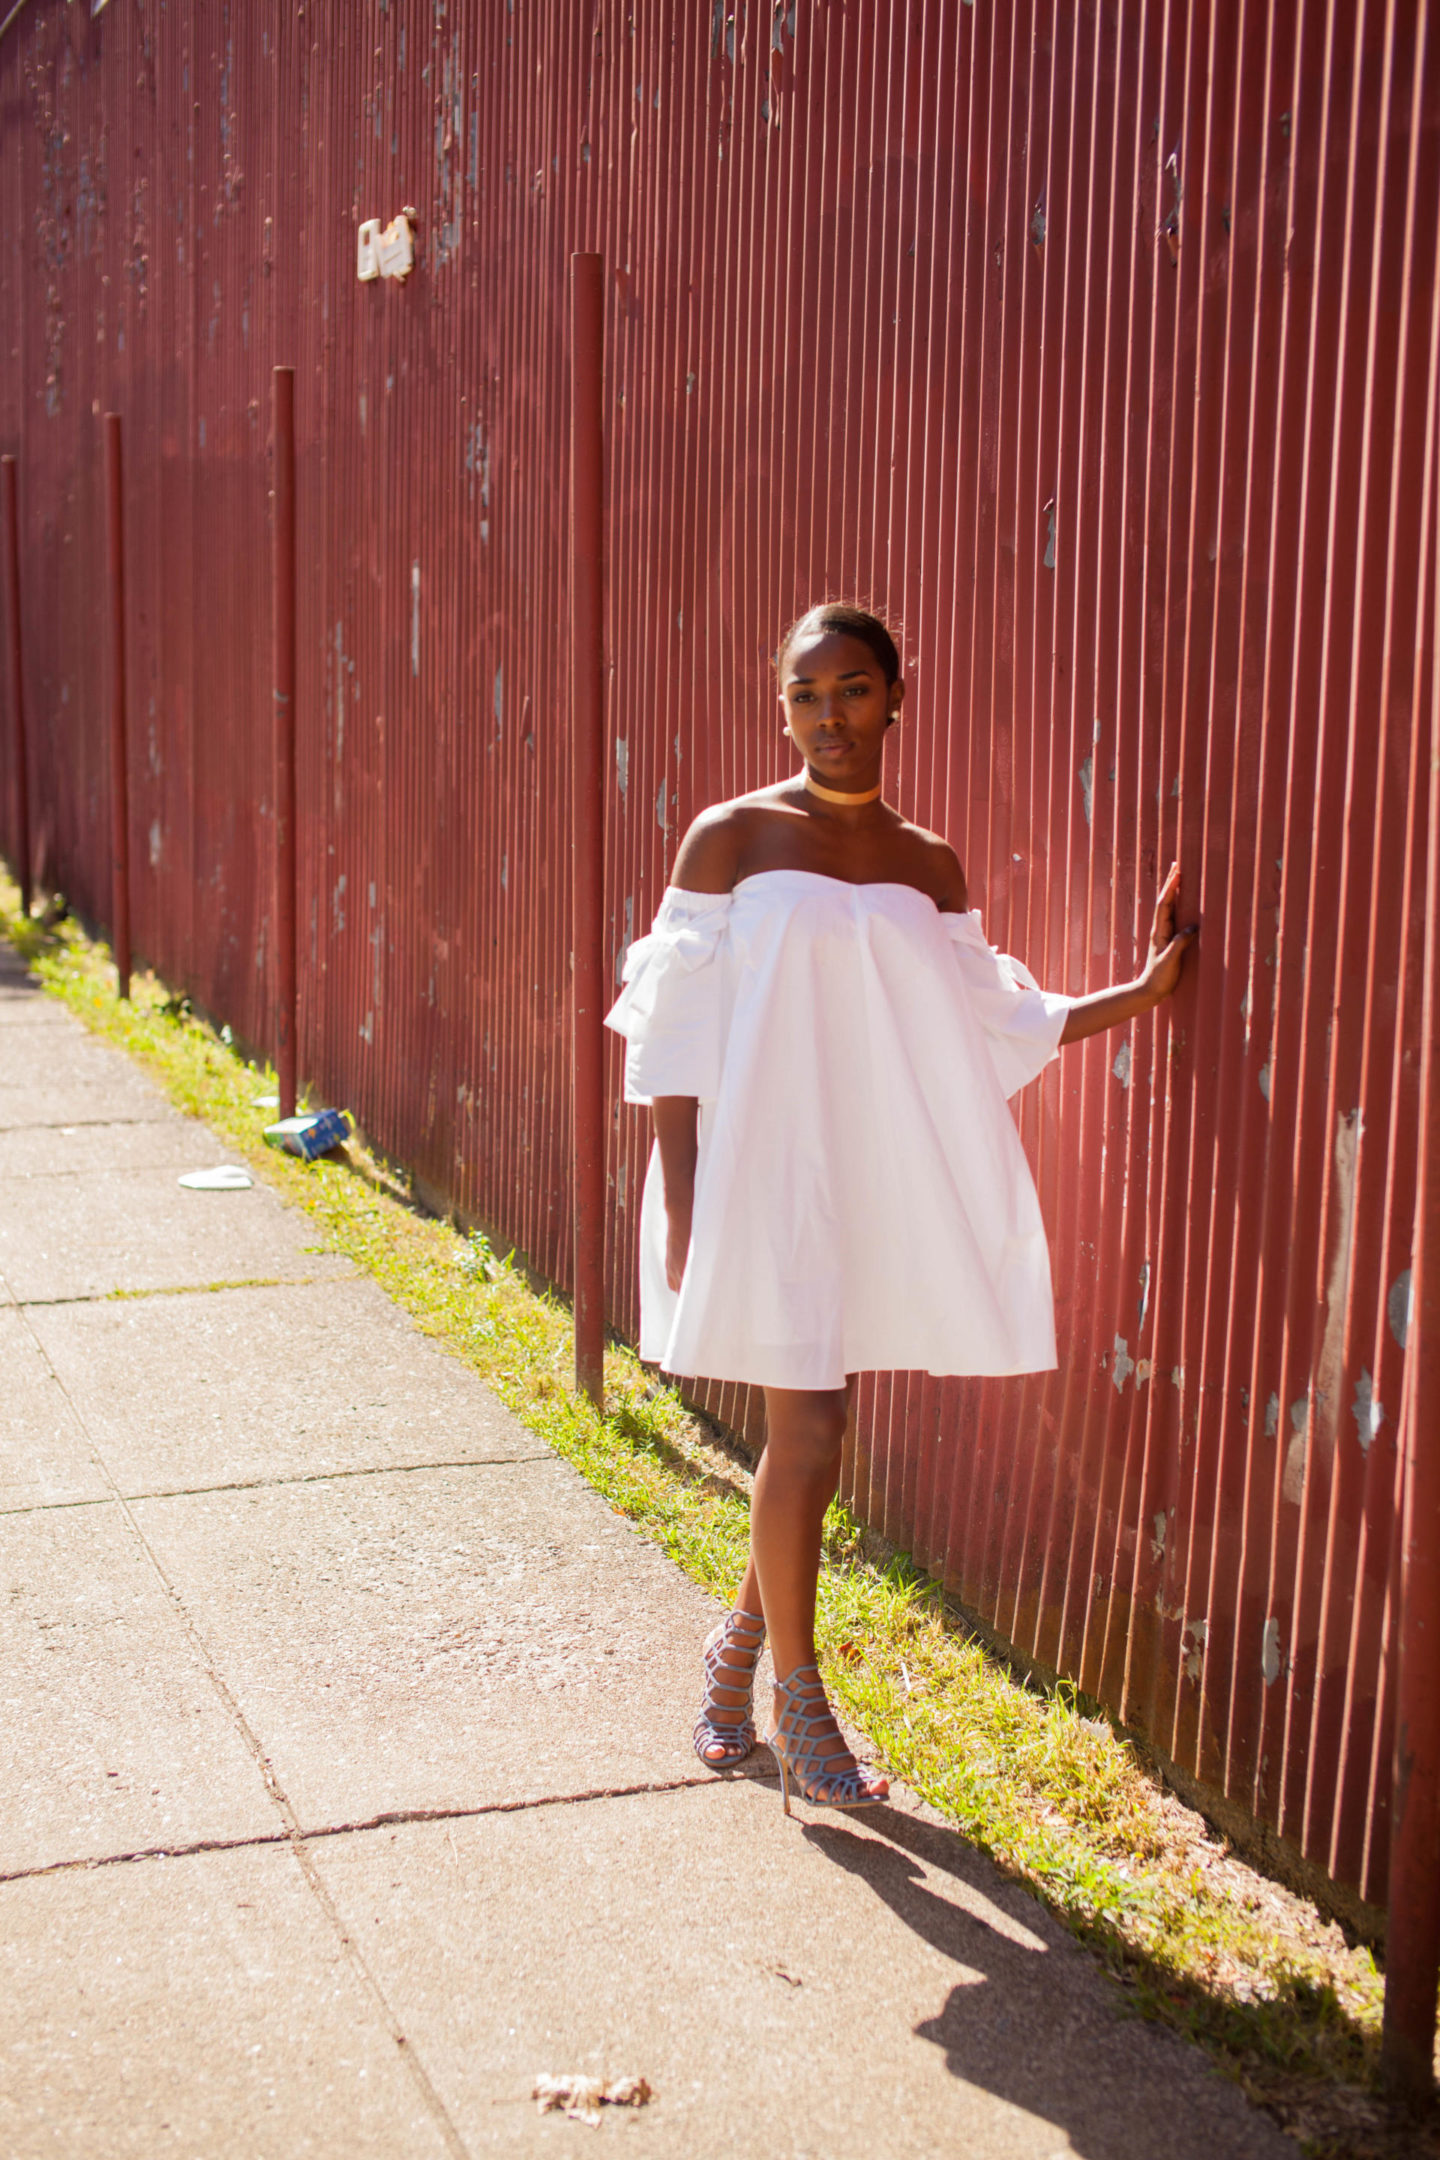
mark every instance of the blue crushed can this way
{"type": "Point", "coordinates": [313, 1134]}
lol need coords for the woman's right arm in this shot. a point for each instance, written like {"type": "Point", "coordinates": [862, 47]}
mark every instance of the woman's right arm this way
{"type": "Point", "coordinates": [708, 862]}
{"type": "Point", "coordinates": [676, 1122]}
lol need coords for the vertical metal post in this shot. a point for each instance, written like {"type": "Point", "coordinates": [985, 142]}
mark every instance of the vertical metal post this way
{"type": "Point", "coordinates": [1412, 1946]}
{"type": "Point", "coordinates": [587, 796]}
{"type": "Point", "coordinates": [119, 776]}
{"type": "Point", "coordinates": [19, 775]}
{"type": "Point", "coordinates": [282, 382]}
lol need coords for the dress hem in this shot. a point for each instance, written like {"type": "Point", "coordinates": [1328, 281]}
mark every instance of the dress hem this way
{"type": "Point", "coordinates": [730, 1379]}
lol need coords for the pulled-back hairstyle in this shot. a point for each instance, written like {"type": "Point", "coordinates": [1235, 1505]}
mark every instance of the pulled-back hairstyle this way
{"type": "Point", "coordinates": [850, 621]}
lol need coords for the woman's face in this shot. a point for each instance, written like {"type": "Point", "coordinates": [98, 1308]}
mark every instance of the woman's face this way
{"type": "Point", "coordinates": [837, 705]}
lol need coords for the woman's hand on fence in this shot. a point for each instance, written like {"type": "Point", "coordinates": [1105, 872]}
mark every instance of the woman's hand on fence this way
{"type": "Point", "coordinates": [1168, 946]}
{"type": "Point", "coordinates": [1123, 1002]}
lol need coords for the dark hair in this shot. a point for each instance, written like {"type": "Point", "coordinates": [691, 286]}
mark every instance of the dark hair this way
{"type": "Point", "coordinates": [851, 621]}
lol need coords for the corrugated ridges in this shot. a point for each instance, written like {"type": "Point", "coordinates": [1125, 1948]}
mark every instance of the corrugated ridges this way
{"type": "Point", "coordinates": [1092, 343]}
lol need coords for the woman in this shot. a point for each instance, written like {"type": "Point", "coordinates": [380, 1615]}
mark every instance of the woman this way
{"type": "Point", "coordinates": [826, 1043]}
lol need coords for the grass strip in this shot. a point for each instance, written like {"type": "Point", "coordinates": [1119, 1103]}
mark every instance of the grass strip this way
{"type": "Point", "coordinates": [1056, 1797]}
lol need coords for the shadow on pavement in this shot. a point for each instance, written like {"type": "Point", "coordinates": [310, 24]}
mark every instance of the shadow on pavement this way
{"type": "Point", "coordinates": [1091, 2075]}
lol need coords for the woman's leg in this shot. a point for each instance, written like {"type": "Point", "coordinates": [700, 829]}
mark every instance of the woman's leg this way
{"type": "Point", "coordinates": [798, 1477]}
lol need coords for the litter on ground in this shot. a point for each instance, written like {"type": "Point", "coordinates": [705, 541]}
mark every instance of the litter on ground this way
{"type": "Point", "coordinates": [314, 1133]}
{"type": "Point", "coordinates": [583, 2097]}
{"type": "Point", "coordinates": [229, 1177]}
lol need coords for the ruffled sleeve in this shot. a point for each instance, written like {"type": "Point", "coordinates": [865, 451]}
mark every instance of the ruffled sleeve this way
{"type": "Point", "coordinates": [1022, 1022]}
{"type": "Point", "coordinates": [670, 1010]}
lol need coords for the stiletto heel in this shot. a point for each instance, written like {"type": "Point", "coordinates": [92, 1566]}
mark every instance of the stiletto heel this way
{"type": "Point", "coordinates": [732, 1651]}
{"type": "Point", "coordinates": [805, 1740]}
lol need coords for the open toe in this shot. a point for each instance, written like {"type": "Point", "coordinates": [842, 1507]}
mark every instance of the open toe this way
{"type": "Point", "coordinates": [725, 1729]}
{"type": "Point", "coordinates": [810, 1748]}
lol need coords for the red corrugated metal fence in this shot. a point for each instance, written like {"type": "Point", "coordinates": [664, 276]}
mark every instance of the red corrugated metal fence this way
{"type": "Point", "coordinates": [1097, 342]}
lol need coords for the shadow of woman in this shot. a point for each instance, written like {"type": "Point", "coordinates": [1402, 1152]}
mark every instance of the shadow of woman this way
{"type": "Point", "coordinates": [1031, 2020]}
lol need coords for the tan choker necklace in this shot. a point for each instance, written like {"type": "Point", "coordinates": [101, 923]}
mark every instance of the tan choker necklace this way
{"type": "Point", "coordinates": [830, 794]}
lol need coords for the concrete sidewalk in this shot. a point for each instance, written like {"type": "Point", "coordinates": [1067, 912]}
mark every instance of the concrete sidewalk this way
{"type": "Point", "coordinates": [347, 1781]}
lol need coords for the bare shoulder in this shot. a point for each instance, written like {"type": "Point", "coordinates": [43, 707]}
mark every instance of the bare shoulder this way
{"type": "Point", "coordinates": [939, 869]}
{"type": "Point", "coordinates": [712, 850]}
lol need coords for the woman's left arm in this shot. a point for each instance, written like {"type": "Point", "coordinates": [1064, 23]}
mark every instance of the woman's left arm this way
{"type": "Point", "coordinates": [1122, 1001]}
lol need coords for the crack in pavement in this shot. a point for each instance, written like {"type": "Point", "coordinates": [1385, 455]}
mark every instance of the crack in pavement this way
{"type": "Point", "coordinates": [293, 1834]}
{"type": "Point", "coordinates": [387, 1820]}
{"type": "Point", "coordinates": [188, 1289]}
{"type": "Point", "coordinates": [278, 1484]}
{"type": "Point", "coordinates": [84, 1124]}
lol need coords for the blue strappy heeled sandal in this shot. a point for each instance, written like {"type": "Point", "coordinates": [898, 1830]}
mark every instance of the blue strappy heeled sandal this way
{"type": "Point", "coordinates": [725, 1725]}
{"type": "Point", "coordinates": [805, 1740]}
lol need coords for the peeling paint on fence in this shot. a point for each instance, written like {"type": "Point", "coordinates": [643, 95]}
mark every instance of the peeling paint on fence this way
{"type": "Point", "coordinates": [1270, 1660]}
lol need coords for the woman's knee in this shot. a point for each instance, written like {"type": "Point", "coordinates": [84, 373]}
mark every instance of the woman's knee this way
{"type": "Point", "coordinates": [805, 1430]}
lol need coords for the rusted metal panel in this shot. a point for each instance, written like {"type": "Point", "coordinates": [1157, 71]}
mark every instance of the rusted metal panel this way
{"type": "Point", "coordinates": [1093, 342]}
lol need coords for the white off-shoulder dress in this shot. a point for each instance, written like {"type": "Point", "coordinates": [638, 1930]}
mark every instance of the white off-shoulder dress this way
{"type": "Point", "coordinates": [862, 1200]}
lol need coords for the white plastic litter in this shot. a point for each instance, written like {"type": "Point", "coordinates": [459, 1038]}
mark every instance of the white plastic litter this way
{"type": "Point", "coordinates": [582, 2098]}
{"type": "Point", "coordinates": [229, 1177]}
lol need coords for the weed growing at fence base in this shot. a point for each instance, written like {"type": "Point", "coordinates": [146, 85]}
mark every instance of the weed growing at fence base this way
{"type": "Point", "coordinates": [1057, 1798]}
